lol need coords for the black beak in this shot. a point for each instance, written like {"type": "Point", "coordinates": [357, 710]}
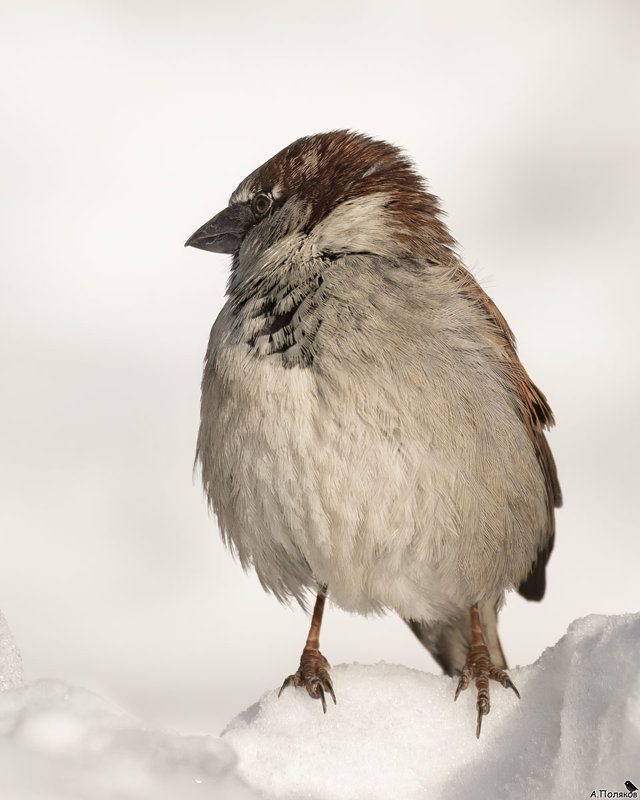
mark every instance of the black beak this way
{"type": "Point", "coordinates": [225, 232]}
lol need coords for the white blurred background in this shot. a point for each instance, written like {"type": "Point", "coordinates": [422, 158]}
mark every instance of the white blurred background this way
{"type": "Point", "coordinates": [124, 126]}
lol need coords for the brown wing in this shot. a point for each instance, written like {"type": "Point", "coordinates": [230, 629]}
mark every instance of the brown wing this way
{"type": "Point", "coordinates": [536, 416]}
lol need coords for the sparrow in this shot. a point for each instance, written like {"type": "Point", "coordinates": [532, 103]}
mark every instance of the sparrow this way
{"type": "Point", "coordinates": [367, 430]}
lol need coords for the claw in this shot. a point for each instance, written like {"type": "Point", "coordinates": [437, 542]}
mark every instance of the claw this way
{"type": "Point", "coordinates": [287, 682]}
{"type": "Point", "coordinates": [320, 694]}
{"type": "Point", "coordinates": [329, 688]}
{"type": "Point", "coordinates": [483, 707]}
{"type": "Point", "coordinates": [462, 683]}
{"type": "Point", "coordinates": [509, 685]}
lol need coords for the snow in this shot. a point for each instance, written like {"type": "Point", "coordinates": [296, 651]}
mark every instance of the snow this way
{"type": "Point", "coordinates": [59, 742]}
{"type": "Point", "coordinates": [10, 658]}
{"type": "Point", "coordinates": [395, 733]}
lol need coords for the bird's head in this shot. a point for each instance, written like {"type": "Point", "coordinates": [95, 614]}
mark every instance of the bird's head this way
{"type": "Point", "coordinates": [339, 192]}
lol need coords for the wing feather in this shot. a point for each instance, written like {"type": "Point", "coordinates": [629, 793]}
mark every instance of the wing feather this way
{"type": "Point", "coordinates": [535, 413]}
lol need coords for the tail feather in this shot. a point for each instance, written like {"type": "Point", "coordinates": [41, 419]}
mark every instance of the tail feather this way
{"type": "Point", "coordinates": [449, 642]}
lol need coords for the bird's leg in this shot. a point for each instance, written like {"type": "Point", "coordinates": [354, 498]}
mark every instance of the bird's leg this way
{"type": "Point", "coordinates": [480, 668]}
{"type": "Point", "coordinates": [313, 672]}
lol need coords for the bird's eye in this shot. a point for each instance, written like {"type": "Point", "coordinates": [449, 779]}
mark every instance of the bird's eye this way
{"type": "Point", "coordinates": [262, 203]}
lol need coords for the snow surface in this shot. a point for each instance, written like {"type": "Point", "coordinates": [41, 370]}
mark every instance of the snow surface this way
{"type": "Point", "coordinates": [10, 659]}
{"type": "Point", "coordinates": [395, 733]}
{"type": "Point", "coordinates": [58, 742]}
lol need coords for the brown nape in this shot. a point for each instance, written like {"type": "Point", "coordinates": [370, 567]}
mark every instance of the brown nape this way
{"type": "Point", "coordinates": [480, 668]}
{"type": "Point", "coordinates": [313, 672]}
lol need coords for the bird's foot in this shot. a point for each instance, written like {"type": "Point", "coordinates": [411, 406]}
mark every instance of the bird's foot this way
{"type": "Point", "coordinates": [480, 669]}
{"type": "Point", "coordinates": [313, 674]}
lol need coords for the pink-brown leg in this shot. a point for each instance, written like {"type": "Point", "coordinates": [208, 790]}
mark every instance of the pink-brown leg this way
{"type": "Point", "coordinates": [480, 668]}
{"type": "Point", "coordinates": [313, 672]}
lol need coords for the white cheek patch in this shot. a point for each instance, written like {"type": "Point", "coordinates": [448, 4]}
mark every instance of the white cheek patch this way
{"type": "Point", "coordinates": [355, 226]}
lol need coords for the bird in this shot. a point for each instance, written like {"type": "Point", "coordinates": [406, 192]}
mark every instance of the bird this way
{"type": "Point", "coordinates": [631, 787]}
{"type": "Point", "coordinates": [367, 431]}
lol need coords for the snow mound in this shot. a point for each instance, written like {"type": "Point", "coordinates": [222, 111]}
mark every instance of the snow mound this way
{"type": "Point", "coordinates": [64, 743]}
{"type": "Point", "coordinates": [396, 733]}
{"type": "Point", "coordinates": [10, 659]}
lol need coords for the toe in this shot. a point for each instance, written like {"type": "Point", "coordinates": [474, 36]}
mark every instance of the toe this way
{"type": "Point", "coordinates": [502, 678]}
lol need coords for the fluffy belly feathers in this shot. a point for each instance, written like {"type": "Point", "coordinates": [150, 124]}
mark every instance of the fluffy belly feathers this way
{"type": "Point", "coordinates": [316, 483]}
